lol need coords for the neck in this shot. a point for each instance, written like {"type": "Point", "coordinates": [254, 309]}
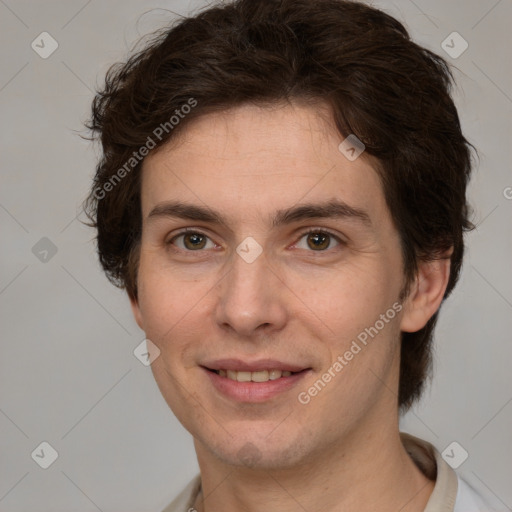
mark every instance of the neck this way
{"type": "Point", "coordinates": [363, 472]}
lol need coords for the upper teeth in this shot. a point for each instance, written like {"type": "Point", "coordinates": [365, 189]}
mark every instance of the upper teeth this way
{"type": "Point", "coordinates": [261, 376]}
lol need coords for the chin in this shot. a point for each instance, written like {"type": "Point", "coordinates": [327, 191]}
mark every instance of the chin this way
{"type": "Point", "coordinates": [260, 453]}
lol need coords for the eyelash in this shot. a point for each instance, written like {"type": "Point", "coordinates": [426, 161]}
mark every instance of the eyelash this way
{"type": "Point", "coordinates": [323, 231]}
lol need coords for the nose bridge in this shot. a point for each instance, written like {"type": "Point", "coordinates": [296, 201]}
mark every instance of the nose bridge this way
{"type": "Point", "coordinates": [249, 294]}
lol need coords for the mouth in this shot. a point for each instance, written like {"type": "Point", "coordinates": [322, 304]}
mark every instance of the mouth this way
{"type": "Point", "coordinates": [257, 376]}
{"type": "Point", "coordinates": [253, 382]}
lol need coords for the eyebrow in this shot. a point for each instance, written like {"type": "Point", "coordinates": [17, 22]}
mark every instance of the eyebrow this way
{"type": "Point", "coordinates": [334, 209]}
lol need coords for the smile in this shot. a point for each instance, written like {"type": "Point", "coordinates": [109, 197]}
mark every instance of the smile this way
{"type": "Point", "coordinates": [258, 376]}
{"type": "Point", "coordinates": [254, 386]}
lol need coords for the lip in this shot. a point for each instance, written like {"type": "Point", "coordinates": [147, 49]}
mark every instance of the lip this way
{"type": "Point", "coordinates": [254, 392]}
{"type": "Point", "coordinates": [253, 366]}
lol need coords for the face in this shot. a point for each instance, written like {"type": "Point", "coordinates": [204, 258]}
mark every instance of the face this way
{"type": "Point", "coordinates": [265, 250]}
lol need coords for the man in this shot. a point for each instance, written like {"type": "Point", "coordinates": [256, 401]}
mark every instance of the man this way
{"type": "Point", "coordinates": [282, 194]}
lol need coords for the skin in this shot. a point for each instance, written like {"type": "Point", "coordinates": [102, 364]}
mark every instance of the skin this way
{"type": "Point", "coordinates": [295, 303]}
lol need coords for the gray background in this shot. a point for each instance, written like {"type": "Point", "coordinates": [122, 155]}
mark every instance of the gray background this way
{"type": "Point", "coordinates": [67, 369]}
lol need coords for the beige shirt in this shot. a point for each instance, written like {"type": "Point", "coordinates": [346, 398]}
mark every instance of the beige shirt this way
{"type": "Point", "coordinates": [450, 494]}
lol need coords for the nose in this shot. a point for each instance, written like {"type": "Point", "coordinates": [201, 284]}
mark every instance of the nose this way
{"type": "Point", "coordinates": [251, 299]}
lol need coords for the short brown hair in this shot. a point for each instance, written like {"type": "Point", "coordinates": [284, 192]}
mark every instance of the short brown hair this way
{"type": "Point", "coordinates": [393, 94]}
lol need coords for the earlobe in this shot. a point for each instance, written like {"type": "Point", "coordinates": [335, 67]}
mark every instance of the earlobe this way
{"type": "Point", "coordinates": [426, 294]}
{"type": "Point", "coordinates": [136, 311]}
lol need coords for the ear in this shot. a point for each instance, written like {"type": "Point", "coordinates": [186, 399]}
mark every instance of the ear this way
{"type": "Point", "coordinates": [426, 293]}
{"type": "Point", "coordinates": [136, 311]}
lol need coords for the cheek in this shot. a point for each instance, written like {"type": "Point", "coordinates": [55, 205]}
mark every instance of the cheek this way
{"type": "Point", "coordinates": [359, 314]}
{"type": "Point", "coordinates": [175, 312]}
{"type": "Point", "coordinates": [347, 297]}
{"type": "Point", "coordinates": [162, 301]}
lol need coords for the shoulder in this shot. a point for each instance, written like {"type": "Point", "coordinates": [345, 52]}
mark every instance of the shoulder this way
{"type": "Point", "coordinates": [185, 500]}
{"type": "Point", "coordinates": [452, 492]}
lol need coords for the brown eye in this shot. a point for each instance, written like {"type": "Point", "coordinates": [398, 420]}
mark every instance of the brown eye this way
{"type": "Point", "coordinates": [318, 241]}
{"type": "Point", "coordinates": [192, 241]}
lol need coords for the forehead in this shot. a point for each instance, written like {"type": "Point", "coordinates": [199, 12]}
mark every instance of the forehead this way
{"type": "Point", "coordinates": [256, 159]}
